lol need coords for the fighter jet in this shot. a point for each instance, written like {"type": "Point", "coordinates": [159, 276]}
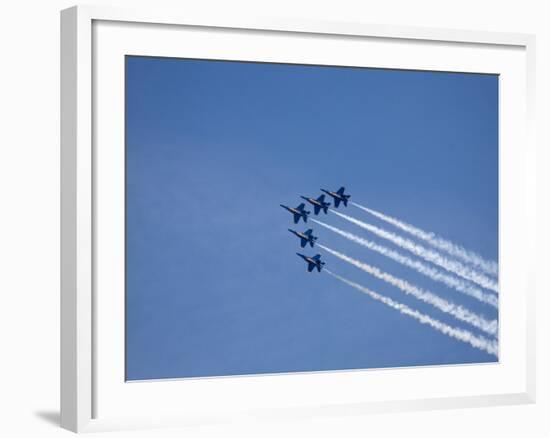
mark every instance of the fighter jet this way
{"type": "Point", "coordinates": [318, 204]}
{"type": "Point", "coordinates": [305, 237]}
{"type": "Point", "coordinates": [313, 262]}
{"type": "Point", "coordinates": [298, 212]}
{"type": "Point", "coordinates": [338, 196]}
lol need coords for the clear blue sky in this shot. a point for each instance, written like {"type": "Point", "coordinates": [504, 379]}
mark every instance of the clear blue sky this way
{"type": "Point", "coordinates": [213, 285]}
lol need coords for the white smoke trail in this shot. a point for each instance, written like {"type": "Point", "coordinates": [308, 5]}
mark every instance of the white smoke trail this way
{"type": "Point", "coordinates": [435, 274]}
{"type": "Point", "coordinates": [488, 266]}
{"type": "Point", "coordinates": [427, 254]}
{"type": "Point", "coordinates": [480, 342]}
{"type": "Point", "coordinates": [459, 312]}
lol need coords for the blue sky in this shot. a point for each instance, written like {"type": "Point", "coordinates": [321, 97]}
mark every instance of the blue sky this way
{"type": "Point", "coordinates": [213, 285]}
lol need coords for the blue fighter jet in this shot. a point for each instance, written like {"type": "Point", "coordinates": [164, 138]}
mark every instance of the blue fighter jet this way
{"type": "Point", "coordinates": [298, 212]}
{"type": "Point", "coordinates": [338, 196]}
{"type": "Point", "coordinates": [305, 237]}
{"type": "Point", "coordinates": [318, 204]}
{"type": "Point", "coordinates": [313, 262]}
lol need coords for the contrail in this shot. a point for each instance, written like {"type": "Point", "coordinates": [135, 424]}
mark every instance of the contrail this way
{"type": "Point", "coordinates": [435, 274]}
{"type": "Point", "coordinates": [490, 346]}
{"type": "Point", "coordinates": [459, 312]}
{"type": "Point", "coordinates": [488, 266]}
{"type": "Point", "coordinates": [427, 254]}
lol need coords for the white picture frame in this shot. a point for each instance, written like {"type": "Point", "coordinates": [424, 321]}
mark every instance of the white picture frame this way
{"type": "Point", "coordinates": [89, 34]}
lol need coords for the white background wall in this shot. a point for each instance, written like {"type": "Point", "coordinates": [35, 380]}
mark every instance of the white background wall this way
{"type": "Point", "coordinates": [29, 219]}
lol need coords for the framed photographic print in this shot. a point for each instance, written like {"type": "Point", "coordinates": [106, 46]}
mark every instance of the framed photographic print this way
{"type": "Point", "coordinates": [281, 218]}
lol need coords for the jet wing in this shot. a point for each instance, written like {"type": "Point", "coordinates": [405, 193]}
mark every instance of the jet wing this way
{"type": "Point", "coordinates": [336, 202]}
{"type": "Point", "coordinates": [316, 209]}
{"type": "Point", "coordinates": [303, 243]}
{"type": "Point", "coordinates": [296, 218]}
{"type": "Point", "coordinates": [341, 190]}
{"type": "Point", "coordinates": [316, 257]}
{"type": "Point", "coordinates": [310, 267]}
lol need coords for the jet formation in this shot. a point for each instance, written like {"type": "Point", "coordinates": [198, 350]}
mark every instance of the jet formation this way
{"type": "Point", "coordinates": [307, 236]}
